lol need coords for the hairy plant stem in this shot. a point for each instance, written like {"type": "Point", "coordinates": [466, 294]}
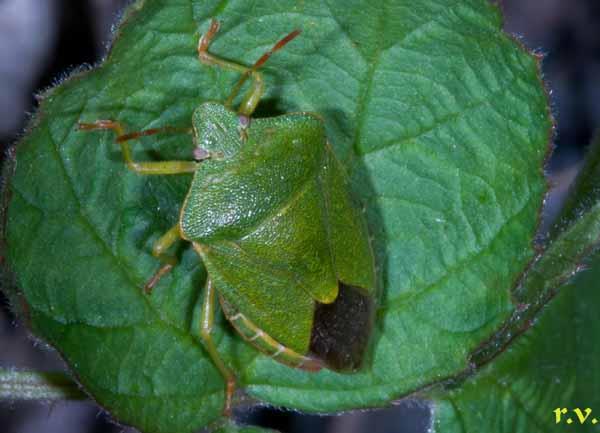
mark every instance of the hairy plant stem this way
{"type": "Point", "coordinates": [32, 385]}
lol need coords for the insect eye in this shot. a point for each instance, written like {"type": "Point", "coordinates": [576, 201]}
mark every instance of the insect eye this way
{"type": "Point", "coordinates": [201, 154]}
{"type": "Point", "coordinates": [244, 121]}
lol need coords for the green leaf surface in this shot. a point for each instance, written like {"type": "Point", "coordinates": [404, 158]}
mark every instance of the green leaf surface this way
{"type": "Point", "coordinates": [554, 365]}
{"type": "Point", "coordinates": [439, 117]}
{"type": "Point", "coordinates": [568, 249]}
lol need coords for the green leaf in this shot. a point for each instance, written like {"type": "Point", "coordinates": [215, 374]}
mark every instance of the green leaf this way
{"type": "Point", "coordinates": [571, 242]}
{"type": "Point", "coordinates": [439, 117]}
{"type": "Point", "coordinates": [554, 365]}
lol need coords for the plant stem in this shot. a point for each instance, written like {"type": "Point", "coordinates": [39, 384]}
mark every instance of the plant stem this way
{"type": "Point", "coordinates": [30, 385]}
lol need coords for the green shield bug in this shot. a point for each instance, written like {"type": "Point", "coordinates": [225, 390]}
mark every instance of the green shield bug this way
{"type": "Point", "coordinates": [270, 214]}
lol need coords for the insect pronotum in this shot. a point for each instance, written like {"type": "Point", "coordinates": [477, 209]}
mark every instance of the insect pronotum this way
{"type": "Point", "coordinates": [270, 213]}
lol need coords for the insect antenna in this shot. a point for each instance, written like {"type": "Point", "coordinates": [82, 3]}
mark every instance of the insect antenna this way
{"type": "Point", "coordinates": [261, 61]}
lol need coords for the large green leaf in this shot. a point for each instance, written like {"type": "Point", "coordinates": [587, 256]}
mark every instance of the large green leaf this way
{"type": "Point", "coordinates": [554, 365]}
{"type": "Point", "coordinates": [440, 118]}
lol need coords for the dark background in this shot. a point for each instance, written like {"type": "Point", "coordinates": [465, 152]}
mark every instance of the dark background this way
{"type": "Point", "coordinates": [42, 40]}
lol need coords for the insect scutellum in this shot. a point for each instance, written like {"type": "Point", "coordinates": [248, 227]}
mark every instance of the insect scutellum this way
{"type": "Point", "coordinates": [270, 214]}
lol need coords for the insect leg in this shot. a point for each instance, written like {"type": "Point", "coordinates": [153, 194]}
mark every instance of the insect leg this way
{"type": "Point", "coordinates": [207, 321]}
{"type": "Point", "coordinates": [159, 251]}
{"type": "Point", "coordinates": [256, 88]}
{"type": "Point", "coordinates": [159, 167]}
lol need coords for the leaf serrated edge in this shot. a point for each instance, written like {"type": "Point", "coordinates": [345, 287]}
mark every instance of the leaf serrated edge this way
{"type": "Point", "coordinates": [499, 341]}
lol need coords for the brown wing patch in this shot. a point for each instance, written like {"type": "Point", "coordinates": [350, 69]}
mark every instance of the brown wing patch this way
{"type": "Point", "coordinates": [341, 330]}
